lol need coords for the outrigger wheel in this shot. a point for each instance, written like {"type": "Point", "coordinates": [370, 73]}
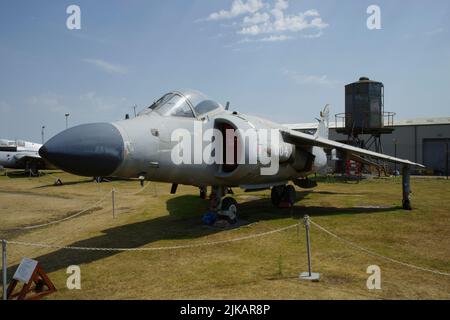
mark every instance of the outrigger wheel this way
{"type": "Point", "coordinates": [283, 196]}
{"type": "Point", "coordinates": [228, 210]}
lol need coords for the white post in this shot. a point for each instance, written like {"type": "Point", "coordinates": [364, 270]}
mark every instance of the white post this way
{"type": "Point", "coordinates": [4, 270]}
{"type": "Point", "coordinates": [308, 275]}
{"type": "Point", "coordinates": [308, 243]}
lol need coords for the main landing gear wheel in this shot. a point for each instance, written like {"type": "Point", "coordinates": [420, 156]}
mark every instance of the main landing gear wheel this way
{"type": "Point", "coordinates": [284, 196]}
{"type": "Point", "coordinates": [289, 195]}
{"type": "Point", "coordinates": [228, 210]}
{"type": "Point", "coordinates": [276, 195]}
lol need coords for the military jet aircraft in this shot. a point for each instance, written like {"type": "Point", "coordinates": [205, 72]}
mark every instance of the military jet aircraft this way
{"type": "Point", "coordinates": [144, 147]}
{"type": "Point", "coordinates": [19, 154]}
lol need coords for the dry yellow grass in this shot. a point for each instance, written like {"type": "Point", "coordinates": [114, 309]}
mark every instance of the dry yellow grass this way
{"type": "Point", "coordinates": [263, 268]}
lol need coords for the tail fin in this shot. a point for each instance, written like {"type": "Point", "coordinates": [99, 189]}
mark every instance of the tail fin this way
{"type": "Point", "coordinates": [322, 129]}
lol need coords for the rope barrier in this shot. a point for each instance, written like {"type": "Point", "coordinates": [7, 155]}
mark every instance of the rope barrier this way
{"type": "Point", "coordinates": [47, 177]}
{"type": "Point", "coordinates": [60, 220]}
{"type": "Point", "coordinates": [372, 253]}
{"type": "Point", "coordinates": [133, 193]}
{"type": "Point", "coordinates": [195, 245]}
{"type": "Point", "coordinates": [74, 215]}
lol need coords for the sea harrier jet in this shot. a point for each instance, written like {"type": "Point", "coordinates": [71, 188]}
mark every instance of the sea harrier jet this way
{"type": "Point", "coordinates": [186, 138]}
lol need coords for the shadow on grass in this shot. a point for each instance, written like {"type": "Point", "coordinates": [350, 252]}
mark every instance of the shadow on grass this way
{"type": "Point", "coordinates": [17, 174]}
{"type": "Point", "coordinates": [64, 183]}
{"type": "Point", "coordinates": [85, 180]}
{"type": "Point", "coordinates": [182, 223]}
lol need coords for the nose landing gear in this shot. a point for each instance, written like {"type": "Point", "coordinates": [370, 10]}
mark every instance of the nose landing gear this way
{"type": "Point", "coordinates": [225, 207]}
{"type": "Point", "coordinates": [228, 210]}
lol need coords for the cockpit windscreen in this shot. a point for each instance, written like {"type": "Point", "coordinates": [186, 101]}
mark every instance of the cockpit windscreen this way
{"type": "Point", "coordinates": [183, 103]}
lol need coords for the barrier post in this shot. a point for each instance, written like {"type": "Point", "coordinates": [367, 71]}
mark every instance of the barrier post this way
{"type": "Point", "coordinates": [4, 271]}
{"type": "Point", "coordinates": [308, 244]}
{"type": "Point", "coordinates": [308, 275]}
{"type": "Point", "coordinates": [113, 191]}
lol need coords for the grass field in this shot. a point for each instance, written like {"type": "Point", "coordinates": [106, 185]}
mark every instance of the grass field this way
{"type": "Point", "coordinates": [267, 267]}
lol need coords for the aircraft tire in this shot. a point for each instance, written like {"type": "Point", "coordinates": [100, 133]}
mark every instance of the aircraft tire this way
{"type": "Point", "coordinates": [230, 205]}
{"type": "Point", "coordinates": [289, 194]}
{"type": "Point", "coordinates": [276, 195]}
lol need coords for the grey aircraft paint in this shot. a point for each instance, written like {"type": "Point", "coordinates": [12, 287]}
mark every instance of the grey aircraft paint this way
{"type": "Point", "coordinates": [89, 150]}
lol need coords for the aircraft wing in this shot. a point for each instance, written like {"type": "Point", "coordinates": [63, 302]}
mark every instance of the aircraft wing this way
{"type": "Point", "coordinates": [302, 126]}
{"type": "Point", "coordinates": [355, 153]}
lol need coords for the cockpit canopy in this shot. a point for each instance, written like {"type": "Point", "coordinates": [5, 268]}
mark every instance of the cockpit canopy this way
{"type": "Point", "coordinates": [183, 103]}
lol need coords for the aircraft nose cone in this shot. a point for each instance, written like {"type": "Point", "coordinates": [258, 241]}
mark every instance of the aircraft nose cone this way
{"type": "Point", "coordinates": [92, 150]}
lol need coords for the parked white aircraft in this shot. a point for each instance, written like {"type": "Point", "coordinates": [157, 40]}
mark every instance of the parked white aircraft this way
{"type": "Point", "coordinates": [19, 154]}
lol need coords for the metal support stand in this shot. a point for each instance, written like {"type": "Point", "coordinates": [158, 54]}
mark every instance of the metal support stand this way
{"type": "Point", "coordinates": [113, 191]}
{"type": "Point", "coordinates": [4, 271]}
{"type": "Point", "coordinates": [312, 276]}
{"type": "Point", "coordinates": [406, 188]}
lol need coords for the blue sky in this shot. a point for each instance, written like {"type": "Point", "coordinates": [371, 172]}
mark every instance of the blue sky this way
{"type": "Point", "coordinates": [283, 60]}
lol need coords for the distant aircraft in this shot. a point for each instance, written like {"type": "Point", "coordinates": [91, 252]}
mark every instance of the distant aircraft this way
{"type": "Point", "coordinates": [151, 145]}
{"type": "Point", "coordinates": [19, 154]}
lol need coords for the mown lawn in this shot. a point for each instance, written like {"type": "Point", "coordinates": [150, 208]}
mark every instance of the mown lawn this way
{"type": "Point", "coordinates": [367, 214]}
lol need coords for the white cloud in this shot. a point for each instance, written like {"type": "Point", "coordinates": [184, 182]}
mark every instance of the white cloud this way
{"type": "Point", "coordinates": [238, 7]}
{"type": "Point", "coordinates": [311, 13]}
{"type": "Point", "coordinates": [256, 18]}
{"type": "Point", "coordinates": [286, 23]}
{"type": "Point", "coordinates": [271, 20]}
{"type": "Point", "coordinates": [271, 38]}
{"type": "Point", "coordinates": [278, 10]}
{"type": "Point", "coordinates": [317, 80]}
{"type": "Point", "coordinates": [251, 30]}
{"type": "Point", "coordinates": [313, 35]}
{"type": "Point", "coordinates": [107, 66]}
